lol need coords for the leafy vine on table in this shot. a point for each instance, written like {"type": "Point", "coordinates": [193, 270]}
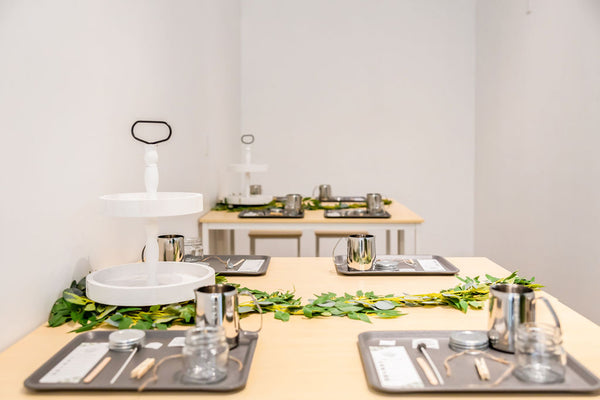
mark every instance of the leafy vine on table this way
{"type": "Point", "coordinates": [308, 203]}
{"type": "Point", "coordinates": [73, 305]}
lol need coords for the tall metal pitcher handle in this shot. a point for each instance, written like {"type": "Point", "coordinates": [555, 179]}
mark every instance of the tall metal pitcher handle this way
{"type": "Point", "coordinates": [247, 293]}
{"type": "Point", "coordinates": [335, 248]}
{"type": "Point", "coordinates": [552, 312]}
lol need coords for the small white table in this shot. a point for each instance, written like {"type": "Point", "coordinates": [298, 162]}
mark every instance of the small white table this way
{"type": "Point", "coordinates": [401, 228]}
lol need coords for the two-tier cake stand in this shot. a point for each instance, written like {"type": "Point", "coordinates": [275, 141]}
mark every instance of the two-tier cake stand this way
{"type": "Point", "coordinates": [150, 282]}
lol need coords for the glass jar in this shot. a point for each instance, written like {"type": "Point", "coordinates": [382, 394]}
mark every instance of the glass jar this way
{"type": "Point", "coordinates": [539, 353]}
{"type": "Point", "coordinates": [205, 355]}
{"type": "Point", "coordinates": [193, 249]}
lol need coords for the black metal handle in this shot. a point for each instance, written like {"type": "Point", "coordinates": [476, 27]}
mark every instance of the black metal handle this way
{"type": "Point", "coordinates": [151, 122]}
{"type": "Point", "coordinates": [247, 139]}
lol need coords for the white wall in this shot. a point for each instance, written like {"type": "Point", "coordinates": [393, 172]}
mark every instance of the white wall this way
{"type": "Point", "coordinates": [367, 97]}
{"type": "Point", "coordinates": [538, 131]}
{"type": "Point", "coordinates": [74, 76]}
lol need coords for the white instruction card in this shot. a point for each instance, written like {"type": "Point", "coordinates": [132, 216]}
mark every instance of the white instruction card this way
{"type": "Point", "coordinates": [394, 367]}
{"type": "Point", "coordinates": [76, 364]}
{"type": "Point", "coordinates": [431, 265]}
{"type": "Point", "coordinates": [178, 341]}
{"type": "Point", "coordinates": [251, 266]}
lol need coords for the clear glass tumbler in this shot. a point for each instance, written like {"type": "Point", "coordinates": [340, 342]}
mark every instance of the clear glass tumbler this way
{"type": "Point", "coordinates": [193, 249]}
{"type": "Point", "coordinates": [540, 356]}
{"type": "Point", "coordinates": [205, 355]}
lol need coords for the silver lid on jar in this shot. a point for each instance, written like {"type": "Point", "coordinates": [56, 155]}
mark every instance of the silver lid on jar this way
{"type": "Point", "coordinates": [468, 340]}
{"type": "Point", "coordinates": [126, 339]}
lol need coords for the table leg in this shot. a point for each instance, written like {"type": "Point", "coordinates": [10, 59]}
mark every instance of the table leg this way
{"type": "Point", "coordinates": [205, 238]}
{"type": "Point", "coordinates": [232, 241]}
{"type": "Point", "coordinates": [388, 246]}
{"type": "Point", "coordinates": [410, 239]}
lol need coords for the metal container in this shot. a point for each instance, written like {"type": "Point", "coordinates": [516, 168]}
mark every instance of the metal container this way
{"type": "Point", "coordinates": [361, 252]}
{"type": "Point", "coordinates": [324, 192]}
{"type": "Point", "coordinates": [293, 202]}
{"type": "Point", "coordinates": [255, 189]}
{"type": "Point", "coordinates": [217, 305]}
{"type": "Point", "coordinates": [374, 203]}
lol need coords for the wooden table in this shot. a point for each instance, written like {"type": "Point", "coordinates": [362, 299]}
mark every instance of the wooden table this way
{"type": "Point", "coordinates": [401, 228]}
{"type": "Point", "coordinates": [315, 358]}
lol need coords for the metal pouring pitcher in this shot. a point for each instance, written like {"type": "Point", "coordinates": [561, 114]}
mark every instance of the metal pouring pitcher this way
{"type": "Point", "coordinates": [360, 252]}
{"type": "Point", "coordinates": [510, 306]}
{"type": "Point", "coordinates": [217, 305]}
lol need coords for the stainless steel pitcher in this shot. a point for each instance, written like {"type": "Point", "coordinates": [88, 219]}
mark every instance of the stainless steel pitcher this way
{"type": "Point", "coordinates": [361, 252]}
{"type": "Point", "coordinates": [217, 305]}
{"type": "Point", "coordinates": [374, 203]}
{"type": "Point", "coordinates": [510, 306]}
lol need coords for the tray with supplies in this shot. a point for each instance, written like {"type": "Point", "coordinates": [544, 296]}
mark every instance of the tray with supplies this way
{"type": "Point", "coordinates": [355, 213]}
{"type": "Point", "coordinates": [232, 265]}
{"type": "Point", "coordinates": [271, 213]}
{"type": "Point", "coordinates": [401, 265]}
{"type": "Point", "coordinates": [394, 362]}
{"type": "Point", "coordinates": [69, 367]}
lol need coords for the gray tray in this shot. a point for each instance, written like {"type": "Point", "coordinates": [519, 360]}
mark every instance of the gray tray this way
{"type": "Point", "coordinates": [464, 377]}
{"type": "Point", "coordinates": [341, 265]}
{"type": "Point", "coordinates": [169, 373]}
{"type": "Point", "coordinates": [221, 269]}
{"type": "Point", "coordinates": [355, 213]}
{"type": "Point", "coordinates": [271, 213]}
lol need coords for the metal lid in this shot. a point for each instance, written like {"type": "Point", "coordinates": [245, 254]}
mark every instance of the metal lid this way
{"type": "Point", "coordinates": [468, 340]}
{"type": "Point", "coordinates": [126, 339]}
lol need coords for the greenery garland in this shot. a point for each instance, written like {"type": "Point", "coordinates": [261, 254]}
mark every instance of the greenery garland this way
{"type": "Point", "coordinates": [308, 203]}
{"type": "Point", "coordinates": [75, 306]}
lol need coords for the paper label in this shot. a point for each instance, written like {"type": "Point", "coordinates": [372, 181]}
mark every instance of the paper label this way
{"type": "Point", "coordinates": [251, 266]}
{"type": "Point", "coordinates": [431, 265]}
{"type": "Point", "coordinates": [430, 343]}
{"type": "Point", "coordinates": [76, 365]}
{"type": "Point", "coordinates": [394, 367]}
{"type": "Point", "coordinates": [178, 341]}
{"type": "Point", "coordinates": [153, 345]}
{"type": "Point", "coordinates": [387, 342]}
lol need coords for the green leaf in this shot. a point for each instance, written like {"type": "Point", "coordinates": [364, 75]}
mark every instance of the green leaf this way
{"type": "Point", "coordinates": [364, 317]}
{"type": "Point", "coordinates": [283, 316]}
{"type": "Point", "coordinates": [125, 323]}
{"type": "Point", "coordinates": [124, 310]}
{"type": "Point", "coordinates": [384, 305]}
{"type": "Point", "coordinates": [90, 307]}
{"type": "Point", "coordinates": [245, 309]}
{"type": "Point", "coordinates": [75, 296]}
{"type": "Point", "coordinates": [164, 320]}
{"type": "Point", "coordinates": [142, 325]}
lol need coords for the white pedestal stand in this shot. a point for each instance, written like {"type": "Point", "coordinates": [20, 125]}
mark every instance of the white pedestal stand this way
{"type": "Point", "coordinates": [150, 282]}
{"type": "Point", "coordinates": [246, 168]}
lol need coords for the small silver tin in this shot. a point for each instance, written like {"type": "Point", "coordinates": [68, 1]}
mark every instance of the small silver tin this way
{"type": "Point", "coordinates": [126, 339]}
{"type": "Point", "coordinates": [468, 340]}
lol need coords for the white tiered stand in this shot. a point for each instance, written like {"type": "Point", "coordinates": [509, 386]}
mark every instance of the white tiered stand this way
{"type": "Point", "coordinates": [244, 198]}
{"type": "Point", "coordinates": [151, 282]}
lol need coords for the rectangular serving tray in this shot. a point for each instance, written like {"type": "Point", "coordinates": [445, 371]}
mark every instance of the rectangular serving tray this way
{"type": "Point", "coordinates": [355, 213]}
{"type": "Point", "coordinates": [341, 266]}
{"type": "Point", "coordinates": [464, 376]}
{"type": "Point", "coordinates": [221, 268]}
{"type": "Point", "coordinates": [169, 373]}
{"type": "Point", "coordinates": [270, 213]}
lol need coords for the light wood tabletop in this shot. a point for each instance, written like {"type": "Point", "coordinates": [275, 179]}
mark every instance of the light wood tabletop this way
{"type": "Point", "coordinates": [317, 358]}
{"type": "Point", "coordinates": [402, 219]}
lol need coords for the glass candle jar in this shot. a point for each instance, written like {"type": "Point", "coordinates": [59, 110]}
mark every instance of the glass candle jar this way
{"type": "Point", "coordinates": [193, 249]}
{"type": "Point", "coordinates": [539, 353]}
{"type": "Point", "coordinates": [205, 355]}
